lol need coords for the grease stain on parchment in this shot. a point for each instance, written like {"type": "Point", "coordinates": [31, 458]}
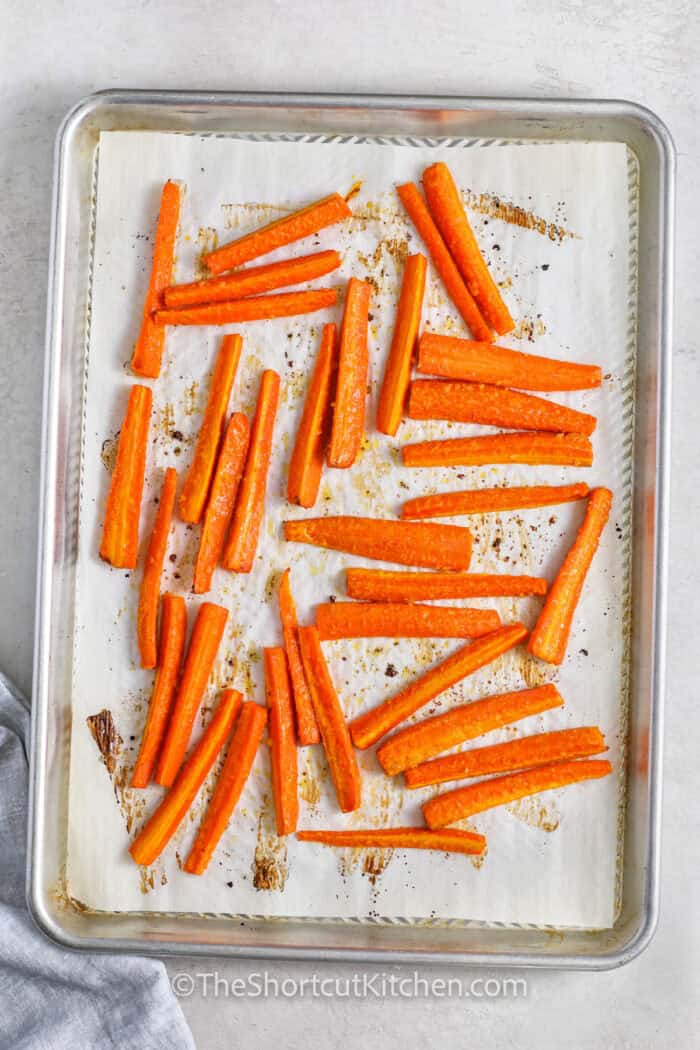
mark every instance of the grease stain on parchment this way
{"type": "Point", "coordinates": [207, 240]}
{"type": "Point", "coordinates": [531, 812]}
{"type": "Point", "coordinates": [108, 452]}
{"type": "Point", "coordinates": [270, 868]}
{"type": "Point", "coordinates": [496, 208]}
{"type": "Point", "coordinates": [118, 764]}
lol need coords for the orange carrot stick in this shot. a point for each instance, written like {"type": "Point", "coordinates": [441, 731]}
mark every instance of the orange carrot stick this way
{"type": "Point", "coordinates": [405, 542]}
{"type": "Point", "coordinates": [257, 308]}
{"type": "Point", "coordinates": [475, 798]}
{"type": "Point", "coordinates": [277, 234]}
{"type": "Point", "coordinates": [566, 450]}
{"type": "Point", "coordinates": [147, 615]}
{"type": "Point", "coordinates": [162, 825]}
{"type": "Point", "coordinates": [308, 454]}
{"type": "Point", "coordinates": [551, 634]}
{"type": "Point", "coordinates": [242, 542]}
{"type": "Point", "coordinates": [452, 358]}
{"type": "Point", "coordinates": [397, 374]}
{"type": "Point", "coordinates": [196, 487]}
{"type": "Point", "coordinates": [120, 532]}
{"type": "Point", "coordinates": [206, 637]}
{"type": "Point", "coordinates": [453, 841]}
{"type": "Point", "coordinates": [413, 745]}
{"type": "Point", "coordinates": [367, 729]}
{"type": "Point", "coordinates": [381, 585]}
{"type": "Point", "coordinates": [283, 746]}
{"type": "Point", "coordinates": [254, 281]}
{"type": "Point", "coordinates": [237, 765]}
{"type": "Point", "coordinates": [485, 501]}
{"type": "Point", "coordinates": [307, 729]}
{"type": "Point", "coordinates": [331, 721]}
{"type": "Point", "coordinates": [148, 351]}
{"type": "Point", "coordinates": [443, 262]}
{"type": "Point", "coordinates": [173, 629]}
{"type": "Point", "coordinates": [525, 753]}
{"type": "Point", "coordinates": [448, 211]}
{"type": "Point", "coordinates": [402, 620]}
{"type": "Point", "coordinates": [348, 426]}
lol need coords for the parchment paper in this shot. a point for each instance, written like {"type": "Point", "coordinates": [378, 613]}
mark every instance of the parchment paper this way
{"type": "Point", "coordinates": [556, 222]}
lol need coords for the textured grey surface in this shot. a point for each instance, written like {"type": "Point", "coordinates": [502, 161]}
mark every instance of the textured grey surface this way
{"type": "Point", "coordinates": [51, 54]}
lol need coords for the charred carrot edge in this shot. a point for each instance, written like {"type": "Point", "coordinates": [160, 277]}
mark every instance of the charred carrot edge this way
{"type": "Point", "coordinates": [493, 406]}
{"type": "Point", "coordinates": [410, 197]}
{"type": "Point", "coordinates": [448, 211]}
{"type": "Point", "coordinates": [237, 765]}
{"type": "Point", "coordinates": [383, 585]}
{"type": "Point", "coordinates": [257, 308]}
{"type": "Point", "coordinates": [416, 743]}
{"type": "Point", "coordinates": [399, 838]}
{"type": "Point", "coordinates": [206, 637]}
{"type": "Point", "coordinates": [222, 498]}
{"type": "Point", "coordinates": [452, 358]}
{"type": "Point", "coordinates": [392, 396]}
{"type": "Point", "coordinates": [401, 620]}
{"type": "Point", "coordinates": [148, 351]}
{"type": "Point", "coordinates": [308, 454]}
{"type": "Point", "coordinates": [254, 281]}
{"type": "Point", "coordinates": [367, 729]}
{"type": "Point", "coordinates": [195, 489]}
{"type": "Point", "coordinates": [525, 753]}
{"type": "Point", "coordinates": [550, 636]}
{"type": "Point", "coordinates": [283, 745]}
{"type": "Point", "coordinates": [475, 798]}
{"type": "Point", "coordinates": [172, 645]}
{"type": "Point", "coordinates": [348, 425]}
{"type": "Point", "coordinates": [162, 825]}
{"type": "Point", "coordinates": [405, 542]}
{"type": "Point", "coordinates": [120, 532]}
{"type": "Point", "coordinates": [485, 501]}
{"type": "Point", "coordinates": [565, 450]}
{"type": "Point", "coordinates": [331, 722]}
{"type": "Point", "coordinates": [277, 234]}
{"type": "Point", "coordinates": [242, 542]}
{"type": "Point", "coordinates": [307, 729]}
{"type": "Point", "coordinates": [149, 593]}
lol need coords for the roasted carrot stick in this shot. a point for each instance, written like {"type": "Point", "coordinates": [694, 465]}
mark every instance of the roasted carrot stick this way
{"type": "Point", "coordinates": [348, 426]}
{"type": "Point", "coordinates": [399, 838]}
{"type": "Point", "coordinates": [444, 355]}
{"type": "Point", "coordinates": [367, 729]}
{"type": "Point", "coordinates": [242, 542]}
{"type": "Point", "coordinates": [162, 825]}
{"type": "Point", "coordinates": [222, 497]}
{"type": "Point", "coordinates": [525, 753]}
{"type": "Point", "coordinates": [443, 262]}
{"type": "Point", "coordinates": [148, 351]}
{"type": "Point", "coordinates": [237, 765]}
{"type": "Point", "coordinates": [257, 308]}
{"type": "Point", "coordinates": [416, 743]}
{"type": "Point", "coordinates": [254, 281]}
{"type": "Point", "coordinates": [206, 637]}
{"type": "Point", "coordinates": [405, 542]}
{"type": "Point", "coordinates": [331, 721]}
{"type": "Point", "coordinates": [283, 745]}
{"type": "Point", "coordinates": [307, 729]}
{"type": "Point", "coordinates": [551, 634]}
{"type": "Point", "coordinates": [566, 450]}
{"type": "Point", "coordinates": [402, 620]}
{"type": "Point", "coordinates": [277, 234]}
{"type": "Point", "coordinates": [147, 615]}
{"type": "Point", "coordinates": [484, 501]}
{"type": "Point", "coordinates": [381, 585]}
{"type": "Point", "coordinates": [308, 454]}
{"type": "Point", "coordinates": [173, 628]}
{"type": "Point", "coordinates": [474, 798]}
{"type": "Point", "coordinates": [195, 490]}
{"type": "Point", "coordinates": [397, 374]}
{"type": "Point", "coordinates": [448, 211]}
{"type": "Point", "coordinates": [120, 532]}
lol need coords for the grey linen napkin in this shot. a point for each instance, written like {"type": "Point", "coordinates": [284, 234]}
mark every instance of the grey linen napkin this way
{"type": "Point", "coordinates": [52, 998]}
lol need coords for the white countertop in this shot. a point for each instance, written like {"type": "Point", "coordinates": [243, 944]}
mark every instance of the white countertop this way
{"type": "Point", "coordinates": [51, 55]}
